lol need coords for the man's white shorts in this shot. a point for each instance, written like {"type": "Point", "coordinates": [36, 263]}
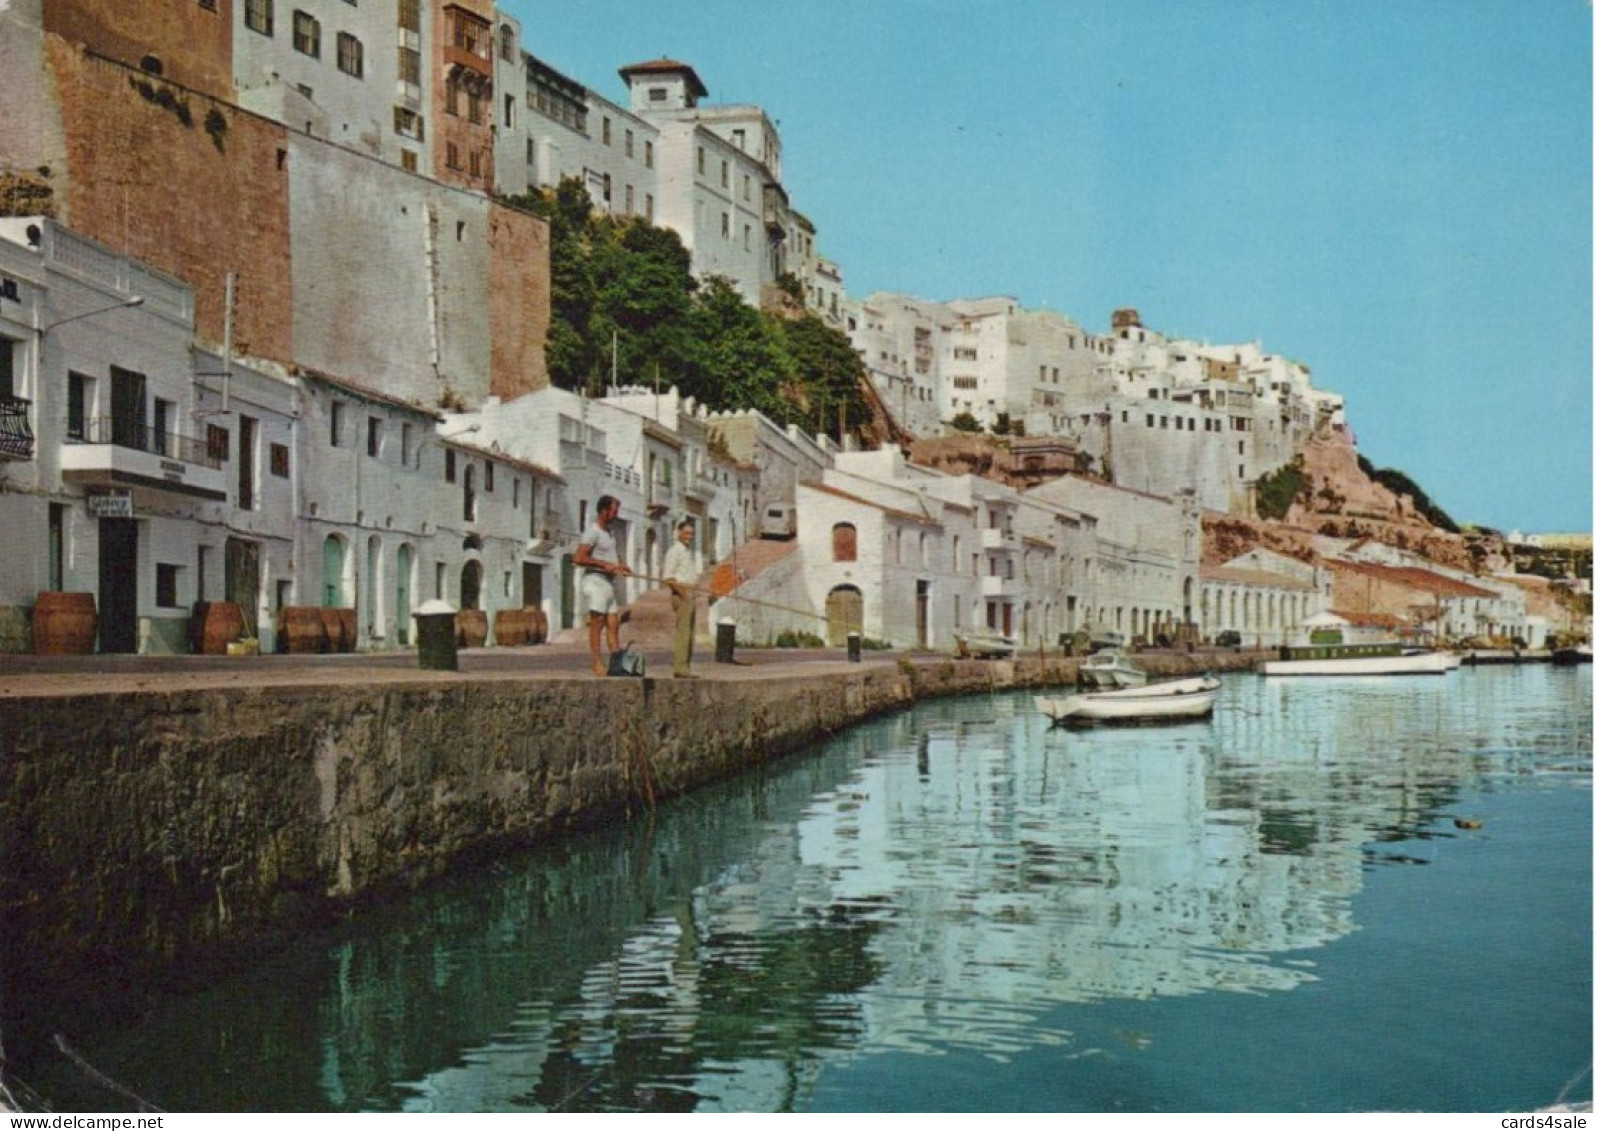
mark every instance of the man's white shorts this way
{"type": "Point", "coordinates": [599, 590]}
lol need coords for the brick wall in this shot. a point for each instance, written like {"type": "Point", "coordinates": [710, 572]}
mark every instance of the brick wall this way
{"type": "Point", "coordinates": [193, 43]}
{"type": "Point", "coordinates": [518, 294]}
{"type": "Point", "coordinates": [187, 183]}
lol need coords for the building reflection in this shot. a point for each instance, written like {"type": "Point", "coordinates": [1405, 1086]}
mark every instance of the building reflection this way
{"type": "Point", "coordinates": [953, 877]}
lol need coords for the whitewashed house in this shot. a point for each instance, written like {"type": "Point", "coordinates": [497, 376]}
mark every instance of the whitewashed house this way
{"type": "Point", "coordinates": [1262, 596]}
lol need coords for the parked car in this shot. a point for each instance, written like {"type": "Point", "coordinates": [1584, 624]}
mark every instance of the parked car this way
{"type": "Point", "coordinates": [1230, 638]}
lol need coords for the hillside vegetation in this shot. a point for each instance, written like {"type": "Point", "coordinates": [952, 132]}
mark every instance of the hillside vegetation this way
{"type": "Point", "coordinates": [626, 308]}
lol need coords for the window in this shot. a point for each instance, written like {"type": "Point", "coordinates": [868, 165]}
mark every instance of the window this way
{"type": "Point", "coordinates": [510, 112]}
{"type": "Point", "coordinates": [629, 143]}
{"type": "Point", "coordinates": [409, 66]}
{"type": "Point", "coordinates": [166, 585]}
{"type": "Point", "coordinates": [629, 200]}
{"type": "Point", "coordinates": [726, 175]}
{"type": "Point", "coordinates": [307, 34]}
{"type": "Point", "coordinates": [648, 206]}
{"type": "Point", "coordinates": [657, 94]}
{"type": "Point", "coordinates": [208, 5]}
{"type": "Point", "coordinates": [701, 160]}
{"type": "Point", "coordinates": [161, 441]}
{"type": "Point", "coordinates": [449, 466]}
{"type": "Point", "coordinates": [258, 16]}
{"type": "Point", "coordinates": [844, 542]}
{"type": "Point", "coordinates": [452, 155]}
{"type": "Point", "coordinates": [507, 43]}
{"type": "Point", "coordinates": [408, 123]}
{"type": "Point", "coordinates": [8, 354]}
{"type": "Point", "coordinates": [407, 160]}
{"type": "Point", "coordinates": [471, 34]}
{"type": "Point", "coordinates": [279, 457]}
{"type": "Point", "coordinates": [648, 154]}
{"type": "Point", "coordinates": [606, 131]}
{"type": "Point", "coordinates": [726, 225]}
{"type": "Point", "coordinates": [218, 441]}
{"type": "Point", "coordinates": [374, 436]}
{"type": "Point", "coordinates": [410, 15]}
{"type": "Point", "coordinates": [404, 444]}
{"type": "Point", "coordinates": [248, 426]}
{"type": "Point", "coordinates": [351, 55]}
{"type": "Point", "coordinates": [80, 394]}
{"type": "Point", "coordinates": [488, 478]}
{"type": "Point", "coordinates": [335, 424]}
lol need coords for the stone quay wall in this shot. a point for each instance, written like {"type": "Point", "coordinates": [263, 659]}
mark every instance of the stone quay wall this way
{"type": "Point", "coordinates": [146, 830]}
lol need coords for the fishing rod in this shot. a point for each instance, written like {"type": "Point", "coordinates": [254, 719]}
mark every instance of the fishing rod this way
{"type": "Point", "coordinates": [733, 596]}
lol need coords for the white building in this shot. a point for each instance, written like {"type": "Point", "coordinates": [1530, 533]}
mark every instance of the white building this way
{"type": "Point", "coordinates": [1263, 597]}
{"type": "Point", "coordinates": [153, 476]}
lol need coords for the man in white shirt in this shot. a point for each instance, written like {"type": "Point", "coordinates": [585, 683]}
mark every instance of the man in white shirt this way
{"type": "Point", "coordinates": [679, 575]}
{"type": "Point", "coordinates": [600, 563]}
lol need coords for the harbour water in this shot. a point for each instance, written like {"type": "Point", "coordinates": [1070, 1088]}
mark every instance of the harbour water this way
{"type": "Point", "coordinates": [1337, 895]}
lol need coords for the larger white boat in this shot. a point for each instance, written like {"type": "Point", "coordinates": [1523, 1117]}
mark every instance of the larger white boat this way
{"type": "Point", "coordinates": [1333, 648]}
{"type": "Point", "coordinates": [1173, 700]}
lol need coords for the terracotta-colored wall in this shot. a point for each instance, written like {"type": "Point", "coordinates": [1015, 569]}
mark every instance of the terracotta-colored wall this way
{"type": "Point", "coordinates": [518, 295]}
{"type": "Point", "coordinates": [193, 43]}
{"type": "Point", "coordinates": [188, 184]}
{"type": "Point", "coordinates": [456, 129]}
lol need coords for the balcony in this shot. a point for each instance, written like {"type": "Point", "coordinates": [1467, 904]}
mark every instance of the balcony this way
{"type": "Point", "coordinates": [1000, 587]}
{"type": "Point", "coordinates": [114, 451]}
{"type": "Point", "coordinates": [16, 434]}
{"type": "Point", "coordinates": [994, 540]}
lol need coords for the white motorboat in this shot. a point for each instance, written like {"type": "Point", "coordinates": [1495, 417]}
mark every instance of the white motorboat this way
{"type": "Point", "coordinates": [1110, 669]}
{"type": "Point", "coordinates": [984, 645]}
{"type": "Point", "coordinates": [1173, 700]}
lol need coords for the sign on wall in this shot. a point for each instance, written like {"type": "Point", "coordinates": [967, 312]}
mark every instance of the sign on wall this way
{"type": "Point", "coordinates": [111, 504]}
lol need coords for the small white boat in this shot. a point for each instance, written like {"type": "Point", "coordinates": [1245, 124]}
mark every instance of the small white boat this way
{"type": "Point", "coordinates": [984, 645]}
{"type": "Point", "coordinates": [1108, 670]}
{"type": "Point", "coordinates": [1173, 700]}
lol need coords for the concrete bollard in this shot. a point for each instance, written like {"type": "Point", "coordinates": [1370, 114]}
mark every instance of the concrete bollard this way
{"type": "Point", "coordinates": [435, 637]}
{"type": "Point", "coordinates": [853, 647]}
{"type": "Point", "coordinates": [726, 632]}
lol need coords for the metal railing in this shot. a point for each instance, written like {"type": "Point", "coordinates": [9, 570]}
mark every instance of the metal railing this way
{"type": "Point", "coordinates": [16, 434]}
{"type": "Point", "coordinates": [143, 438]}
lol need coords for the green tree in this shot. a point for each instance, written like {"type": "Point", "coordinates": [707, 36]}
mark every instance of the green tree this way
{"type": "Point", "coordinates": [741, 362]}
{"type": "Point", "coordinates": [828, 395]}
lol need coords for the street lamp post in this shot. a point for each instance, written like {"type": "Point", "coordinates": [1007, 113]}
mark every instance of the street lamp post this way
{"type": "Point", "coordinates": [134, 300]}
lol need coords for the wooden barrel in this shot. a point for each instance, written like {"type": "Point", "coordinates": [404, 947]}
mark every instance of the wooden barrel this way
{"type": "Point", "coordinates": [471, 628]}
{"type": "Point", "coordinates": [215, 625]}
{"type": "Point", "coordinates": [538, 633]}
{"type": "Point", "coordinates": [348, 630]}
{"type": "Point", "coordinates": [64, 624]}
{"type": "Point", "coordinates": [512, 627]}
{"type": "Point", "coordinates": [300, 630]}
{"type": "Point", "coordinates": [332, 629]}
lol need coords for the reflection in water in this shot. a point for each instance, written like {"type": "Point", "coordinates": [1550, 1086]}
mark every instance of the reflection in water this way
{"type": "Point", "coordinates": [940, 881]}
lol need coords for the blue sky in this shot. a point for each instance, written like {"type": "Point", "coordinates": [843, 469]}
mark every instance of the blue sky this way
{"type": "Point", "coordinates": [1397, 193]}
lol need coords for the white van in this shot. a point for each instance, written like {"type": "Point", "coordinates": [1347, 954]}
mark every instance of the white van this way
{"type": "Point", "coordinates": [778, 521]}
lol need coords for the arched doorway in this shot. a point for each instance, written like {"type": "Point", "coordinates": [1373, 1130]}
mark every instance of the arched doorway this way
{"type": "Point", "coordinates": [845, 613]}
{"type": "Point", "coordinates": [333, 572]}
{"type": "Point", "coordinates": [471, 585]}
{"type": "Point", "coordinates": [402, 568]}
